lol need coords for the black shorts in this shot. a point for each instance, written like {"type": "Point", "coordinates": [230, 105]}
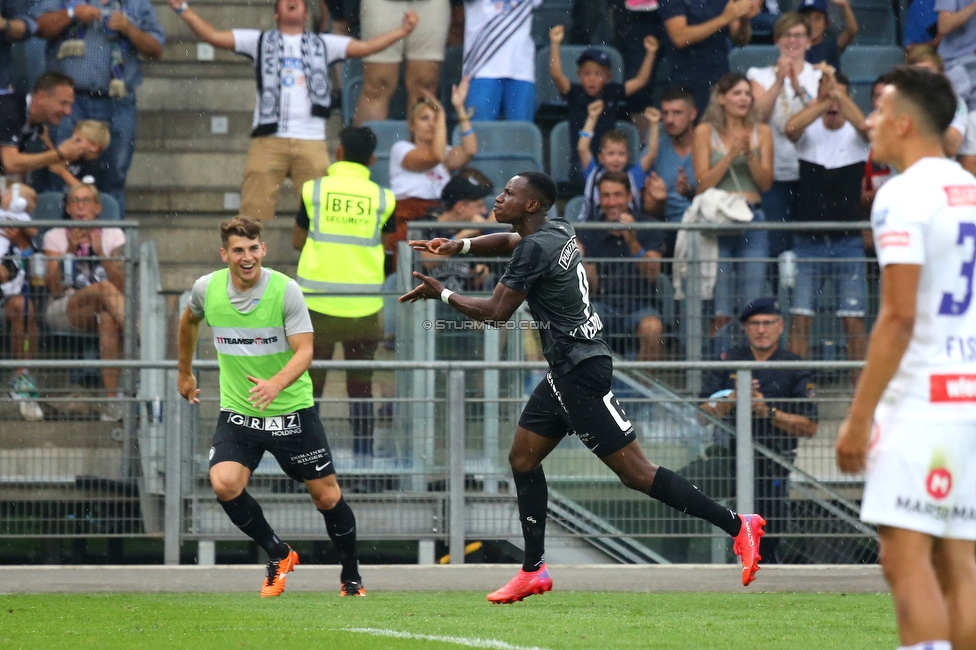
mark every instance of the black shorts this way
{"type": "Point", "coordinates": [296, 440]}
{"type": "Point", "coordinates": [580, 402]}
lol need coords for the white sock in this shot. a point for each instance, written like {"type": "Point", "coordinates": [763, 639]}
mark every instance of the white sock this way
{"type": "Point", "coordinates": [928, 645]}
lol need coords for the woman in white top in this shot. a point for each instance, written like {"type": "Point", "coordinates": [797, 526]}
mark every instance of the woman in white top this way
{"type": "Point", "coordinates": [782, 91]}
{"type": "Point", "coordinates": [420, 168]}
{"type": "Point", "coordinates": [90, 299]}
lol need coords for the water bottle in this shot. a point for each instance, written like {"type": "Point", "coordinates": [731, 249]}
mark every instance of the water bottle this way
{"type": "Point", "coordinates": [38, 268]}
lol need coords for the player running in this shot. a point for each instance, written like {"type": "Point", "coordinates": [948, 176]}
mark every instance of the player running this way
{"type": "Point", "coordinates": [919, 384]}
{"type": "Point", "coordinates": [263, 336]}
{"type": "Point", "coordinates": [575, 397]}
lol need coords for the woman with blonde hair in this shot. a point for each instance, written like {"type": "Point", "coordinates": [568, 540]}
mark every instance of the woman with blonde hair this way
{"type": "Point", "coordinates": [782, 91]}
{"type": "Point", "coordinates": [733, 151]}
{"type": "Point", "coordinates": [421, 167]}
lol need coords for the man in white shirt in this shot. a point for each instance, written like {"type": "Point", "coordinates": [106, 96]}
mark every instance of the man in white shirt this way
{"type": "Point", "coordinates": [832, 146]}
{"type": "Point", "coordinates": [294, 95]}
{"type": "Point", "coordinates": [912, 423]}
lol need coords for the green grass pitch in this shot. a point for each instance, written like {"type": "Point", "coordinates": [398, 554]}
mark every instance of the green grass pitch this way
{"type": "Point", "coordinates": [598, 620]}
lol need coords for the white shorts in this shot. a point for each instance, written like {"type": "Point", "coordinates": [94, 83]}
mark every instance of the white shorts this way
{"type": "Point", "coordinates": [921, 474]}
{"type": "Point", "coordinates": [425, 43]}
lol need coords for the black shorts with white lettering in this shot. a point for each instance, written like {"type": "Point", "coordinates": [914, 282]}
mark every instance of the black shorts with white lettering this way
{"type": "Point", "coordinates": [580, 402]}
{"type": "Point", "coordinates": [296, 440]}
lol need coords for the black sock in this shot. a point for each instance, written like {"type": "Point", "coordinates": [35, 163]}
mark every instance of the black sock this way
{"type": "Point", "coordinates": [247, 515]}
{"type": "Point", "coordinates": [533, 501]}
{"type": "Point", "coordinates": [676, 491]}
{"type": "Point", "coordinates": [340, 523]}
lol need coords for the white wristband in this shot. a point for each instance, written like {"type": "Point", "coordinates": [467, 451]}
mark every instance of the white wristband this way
{"type": "Point", "coordinates": [183, 7]}
{"type": "Point", "coordinates": [446, 296]}
{"type": "Point", "coordinates": [465, 245]}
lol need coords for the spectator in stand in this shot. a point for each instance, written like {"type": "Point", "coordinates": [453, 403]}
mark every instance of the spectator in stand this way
{"type": "Point", "coordinates": [499, 58]}
{"type": "Point", "coordinates": [781, 91]}
{"type": "Point", "coordinates": [957, 41]}
{"type": "Point", "coordinates": [623, 291]}
{"type": "Point", "coordinates": [674, 161]}
{"type": "Point", "coordinates": [422, 48]}
{"type": "Point", "coordinates": [98, 43]}
{"type": "Point", "coordinates": [779, 419]}
{"type": "Point", "coordinates": [16, 304]}
{"type": "Point", "coordinates": [700, 32]}
{"type": "Point", "coordinates": [24, 119]}
{"type": "Point", "coordinates": [637, 20]}
{"type": "Point", "coordinates": [614, 156]}
{"type": "Point", "coordinates": [927, 59]}
{"type": "Point", "coordinates": [16, 24]}
{"type": "Point", "coordinates": [422, 167]}
{"type": "Point", "coordinates": [825, 46]}
{"type": "Point", "coordinates": [593, 70]}
{"type": "Point", "coordinates": [294, 95]}
{"type": "Point", "coordinates": [89, 298]}
{"type": "Point", "coordinates": [832, 141]}
{"type": "Point", "coordinates": [921, 25]}
{"type": "Point", "coordinates": [875, 174]}
{"type": "Point", "coordinates": [95, 137]}
{"type": "Point", "coordinates": [733, 151]}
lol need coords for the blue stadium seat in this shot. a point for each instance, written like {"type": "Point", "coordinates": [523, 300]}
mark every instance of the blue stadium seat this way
{"type": "Point", "coordinates": [501, 138]}
{"type": "Point", "coordinates": [572, 209]}
{"type": "Point", "coordinates": [50, 207]}
{"type": "Point", "coordinates": [502, 167]}
{"type": "Point", "coordinates": [752, 56]}
{"type": "Point", "coordinates": [876, 23]}
{"type": "Point", "coordinates": [867, 62]}
{"type": "Point", "coordinates": [388, 133]}
{"type": "Point", "coordinates": [863, 64]}
{"type": "Point", "coordinates": [28, 62]}
{"type": "Point", "coordinates": [548, 16]}
{"type": "Point", "coordinates": [545, 90]}
{"type": "Point", "coordinates": [110, 209]}
{"type": "Point", "coordinates": [559, 153]}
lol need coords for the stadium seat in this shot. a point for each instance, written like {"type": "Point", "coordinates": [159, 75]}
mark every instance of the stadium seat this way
{"type": "Point", "coordinates": [50, 207]}
{"type": "Point", "coordinates": [559, 153]}
{"type": "Point", "coordinates": [501, 138]}
{"type": "Point", "coordinates": [863, 64]}
{"type": "Point", "coordinates": [110, 209]}
{"type": "Point", "coordinates": [500, 168]}
{"type": "Point", "coordinates": [572, 209]}
{"type": "Point", "coordinates": [545, 90]}
{"type": "Point", "coordinates": [548, 16]}
{"type": "Point", "coordinates": [876, 23]}
{"type": "Point", "coordinates": [752, 56]}
{"type": "Point", "coordinates": [28, 61]}
{"type": "Point", "coordinates": [388, 133]}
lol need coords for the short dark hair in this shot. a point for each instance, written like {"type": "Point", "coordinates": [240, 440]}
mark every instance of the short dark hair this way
{"type": "Point", "coordinates": [674, 93]}
{"type": "Point", "coordinates": [240, 226]}
{"type": "Point", "coordinates": [48, 81]}
{"type": "Point", "coordinates": [358, 144]}
{"type": "Point", "coordinates": [842, 79]}
{"type": "Point", "coordinates": [543, 187]}
{"type": "Point", "coordinates": [930, 93]}
{"type": "Point", "coordinates": [615, 177]}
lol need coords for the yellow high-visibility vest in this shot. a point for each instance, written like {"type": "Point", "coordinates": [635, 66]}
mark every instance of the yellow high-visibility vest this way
{"type": "Point", "coordinates": [343, 252]}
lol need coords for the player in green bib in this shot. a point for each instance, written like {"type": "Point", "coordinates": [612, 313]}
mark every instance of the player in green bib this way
{"type": "Point", "coordinates": [263, 336]}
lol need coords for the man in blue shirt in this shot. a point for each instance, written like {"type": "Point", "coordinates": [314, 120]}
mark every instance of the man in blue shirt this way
{"type": "Point", "coordinates": [673, 163]}
{"type": "Point", "coordinates": [700, 31]}
{"type": "Point", "coordinates": [15, 25]}
{"type": "Point", "coordinates": [97, 43]}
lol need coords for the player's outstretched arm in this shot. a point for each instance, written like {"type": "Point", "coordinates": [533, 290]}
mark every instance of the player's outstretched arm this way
{"type": "Point", "coordinates": [499, 243]}
{"type": "Point", "coordinates": [186, 341]}
{"type": "Point", "coordinates": [265, 391]}
{"type": "Point", "coordinates": [499, 307]}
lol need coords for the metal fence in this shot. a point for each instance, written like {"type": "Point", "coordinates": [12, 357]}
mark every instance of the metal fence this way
{"type": "Point", "coordinates": [446, 399]}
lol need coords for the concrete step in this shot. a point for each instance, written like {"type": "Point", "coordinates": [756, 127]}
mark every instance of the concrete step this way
{"type": "Point", "coordinates": [201, 94]}
{"type": "Point", "coordinates": [222, 15]}
{"type": "Point", "coordinates": [202, 169]}
{"type": "Point", "coordinates": [183, 50]}
{"type": "Point", "coordinates": [179, 200]}
{"type": "Point", "coordinates": [197, 70]}
{"type": "Point", "coordinates": [192, 131]}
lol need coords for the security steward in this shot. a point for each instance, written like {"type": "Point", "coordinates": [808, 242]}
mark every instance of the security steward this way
{"type": "Point", "coordinates": [339, 230]}
{"type": "Point", "coordinates": [778, 419]}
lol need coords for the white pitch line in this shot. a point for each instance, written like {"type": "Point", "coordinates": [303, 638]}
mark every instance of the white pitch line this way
{"type": "Point", "coordinates": [491, 644]}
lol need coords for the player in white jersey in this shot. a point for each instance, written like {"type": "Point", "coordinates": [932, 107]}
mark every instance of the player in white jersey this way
{"type": "Point", "coordinates": [912, 423]}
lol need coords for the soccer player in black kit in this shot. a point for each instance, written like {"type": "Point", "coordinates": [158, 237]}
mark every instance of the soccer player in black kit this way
{"type": "Point", "coordinates": [575, 397]}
